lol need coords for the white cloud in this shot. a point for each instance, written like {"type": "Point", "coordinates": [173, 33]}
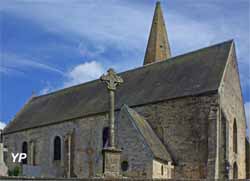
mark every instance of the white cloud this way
{"type": "Point", "coordinates": [2, 125]}
{"type": "Point", "coordinates": [83, 73]}
{"type": "Point", "coordinates": [247, 110]}
{"type": "Point", "coordinates": [47, 89]}
{"type": "Point", "coordinates": [79, 74]}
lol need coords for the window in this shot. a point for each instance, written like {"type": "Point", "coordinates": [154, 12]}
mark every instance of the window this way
{"type": "Point", "coordinates": [235, 137]}
{"type": "Point", "coordinates": [57, 148]}
{"type": "Point", "coordinates": [162, 170]}
{"type": "Point", "coordinates": [25, 150]}
{"type": "Point", "coordinates": [235, 171]}
{"type": "Point", "coordinates": [105, 137]}
{"type": "Point", "coordinates": [124, 166]}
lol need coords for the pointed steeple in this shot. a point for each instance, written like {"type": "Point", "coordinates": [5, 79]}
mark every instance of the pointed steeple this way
{"type": "Point", "coordinates": [158, 48]}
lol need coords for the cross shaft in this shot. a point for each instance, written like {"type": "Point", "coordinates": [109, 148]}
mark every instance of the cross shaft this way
{"type": "Point", "coordinates": [112, 80]}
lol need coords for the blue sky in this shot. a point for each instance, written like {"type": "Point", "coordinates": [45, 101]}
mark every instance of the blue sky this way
{"type": "Point", "coordinates": [46, 45]}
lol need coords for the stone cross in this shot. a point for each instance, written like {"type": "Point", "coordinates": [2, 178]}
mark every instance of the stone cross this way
{"type": "Point", "coordinates": [112, 80]}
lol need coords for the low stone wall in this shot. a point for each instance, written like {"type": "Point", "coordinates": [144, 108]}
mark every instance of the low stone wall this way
{"type": "Point", "coordinates": [93, 179]}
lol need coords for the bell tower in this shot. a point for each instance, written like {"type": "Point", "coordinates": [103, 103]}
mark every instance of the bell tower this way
{"type": "Point", "coordinates": [158, 48]}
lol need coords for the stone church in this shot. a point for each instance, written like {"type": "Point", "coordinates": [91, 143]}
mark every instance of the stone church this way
{"type": "Point", "coordinates": [174, 117]}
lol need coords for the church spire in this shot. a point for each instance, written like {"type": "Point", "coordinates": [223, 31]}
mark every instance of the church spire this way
{"type": "Point", "coordinates": [158, 48]}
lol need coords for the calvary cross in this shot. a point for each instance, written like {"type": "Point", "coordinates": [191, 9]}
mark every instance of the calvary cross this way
{"type": "Point", "coordinates": [112, 80]}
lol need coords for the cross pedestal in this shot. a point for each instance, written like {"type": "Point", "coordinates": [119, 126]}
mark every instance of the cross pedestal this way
{"type": "Point", "coordinates": [3, 167]}
{"type": "Point", "coordinates": [112, 160]}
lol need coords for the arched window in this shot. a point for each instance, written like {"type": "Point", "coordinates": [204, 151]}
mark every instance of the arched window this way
{"type": "Point", "coordinates": [57, 148]}
{"type": "Point", "coordinates": [235, 137]}
{"type": "Point", "coordinates": [105, 137]}
{"type": "Point", "coordinates": [25, 150]}
{"type": "Point", "coordinates": [235, 171]}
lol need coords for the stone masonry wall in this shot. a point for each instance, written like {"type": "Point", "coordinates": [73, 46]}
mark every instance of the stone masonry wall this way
{"type": "Point", "coordinates": [79, 179]}
{"type": "Point", "coordinates": [87, 148]}
{"type": "Point", "coordinates": [181, 124]}
{"type": "Point", "coordinates": [232, 106]}
{"type": "Point", "coordinates": [134, 149]}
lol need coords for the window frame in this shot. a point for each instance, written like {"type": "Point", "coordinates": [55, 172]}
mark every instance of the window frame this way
{"type": "Point", "coordinates": [57, 148]}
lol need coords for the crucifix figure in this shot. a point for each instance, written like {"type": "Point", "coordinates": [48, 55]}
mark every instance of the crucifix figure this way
{"type": "Point", "coordinates": [112, 80]}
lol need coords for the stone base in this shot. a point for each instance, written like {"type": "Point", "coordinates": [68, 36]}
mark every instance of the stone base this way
{"type": "Point", "coordinates": [3, 170]}
{"type": "Point", "coordinates": [112, 158]}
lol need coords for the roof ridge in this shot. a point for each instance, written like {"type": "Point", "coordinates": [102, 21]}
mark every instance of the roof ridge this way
{"type": "Point", "coordinates": [191, 52]}
{"type": "Point", "coordinates": [137, 68]}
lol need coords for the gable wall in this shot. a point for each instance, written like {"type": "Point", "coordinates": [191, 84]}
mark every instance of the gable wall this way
{"type": "Point", "coordinates": [134, 148]}
{"type": "Point", "coordinates": [232, 106]}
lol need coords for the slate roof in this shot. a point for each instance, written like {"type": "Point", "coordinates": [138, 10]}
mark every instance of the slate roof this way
{"type": "Point", "coordinates": [189, 74]}
{"type": "Point", "coordinates": [154, 143]}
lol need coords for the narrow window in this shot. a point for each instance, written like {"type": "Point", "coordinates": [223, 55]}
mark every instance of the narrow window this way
{"type": "Point", "coordinates": [235, 137]}
{"type": "Point", "coordinates": [105, 137]}
{"type": "Point", "coordinates": [25, 150]}
{"type": "Point", "coordinates": [57, 148]}
{"type": "Point", "coordinates": [162, 170]}
{"type": "Point", "coordinates": [235, 171]}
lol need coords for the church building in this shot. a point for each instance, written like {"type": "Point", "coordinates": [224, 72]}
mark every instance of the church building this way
{"type": "Point", "coordinates": [176, 117]}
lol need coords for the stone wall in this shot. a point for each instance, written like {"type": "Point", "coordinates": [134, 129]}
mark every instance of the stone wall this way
{"type": "Point", "coordinates": [182, 125]}
{"type": "Point", "coordinates": [87, 147]}
{"type": "Point", "coordinates": [77, 179]}
{"type": "Point", "coordinates": [134, 149]}
{"type": "Point", "coordinates": [231, 104]}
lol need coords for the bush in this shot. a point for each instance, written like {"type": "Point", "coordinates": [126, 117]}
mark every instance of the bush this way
{"type": "Point", "coordinates": [14, 172]}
